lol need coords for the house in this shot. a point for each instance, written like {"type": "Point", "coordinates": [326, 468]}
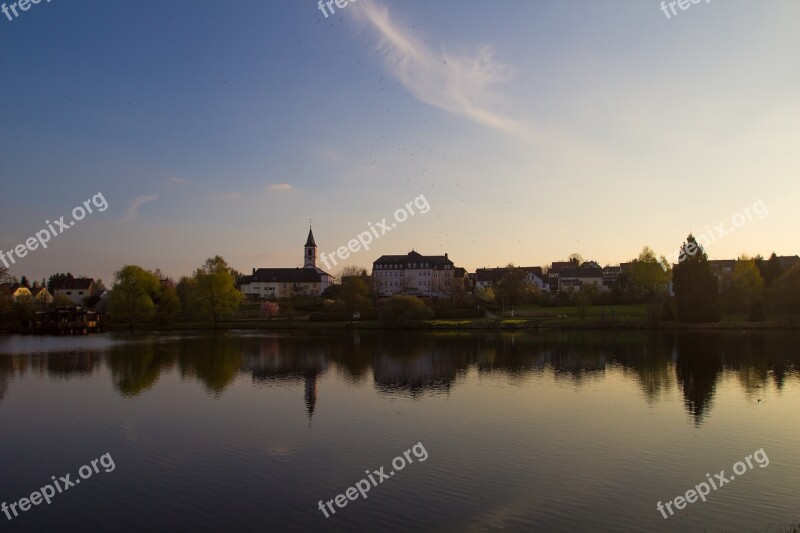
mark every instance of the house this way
{"type": "Point", "coordinates": [43, 296]}
{"type": "Point", "coordinates": [76, 289]}
{"type": "Point", "coordinates": [21, 291]}
{"type": "Point", "coordinates": [471, 281]}
{"type": "Point", "coordinates": [461, 279]}
{"type": "Point", "coordinates": [487, 277]}
{"type": "Point", "coordinates": [788, 261]}
{"type": "Point", "coordinates": [275, 283]}
{"type": "Point", "coordinates": [562, 277]}
{"type": "Point", "coordinates": [535, 276]}
{"type": "Point", "coordinates": [413, 273]}
{"type": "Point", "coordinates": [722, 266]}
{"type": "Point", "coordinates": [611, 275]}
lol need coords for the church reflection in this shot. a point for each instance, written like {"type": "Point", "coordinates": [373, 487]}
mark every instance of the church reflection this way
{"type": "Point", "coordinates": [282, 360]}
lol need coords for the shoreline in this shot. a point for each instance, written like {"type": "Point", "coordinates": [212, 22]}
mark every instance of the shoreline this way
{"type": "Point", "coordinates": [454, 325]}
{"type": "Point", "coordinates": [471, 326]}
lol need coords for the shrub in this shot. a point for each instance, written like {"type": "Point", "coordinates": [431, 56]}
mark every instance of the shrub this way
{"type": "Point", "coordinates": [269, 309]}
{"type": "Point", "coordinates": [401, 310]}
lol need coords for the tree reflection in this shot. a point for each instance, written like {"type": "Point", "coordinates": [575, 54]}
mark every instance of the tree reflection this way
{"type": "Point", "coordinates": [415, 364]}
{"type": "Point", "coordinates": [697, 368]}
{"type": "Point", "coordinates": [136, 367]}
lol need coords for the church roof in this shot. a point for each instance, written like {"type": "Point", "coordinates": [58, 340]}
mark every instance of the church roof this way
{"type": "Point", "coordinates": [285, 275]}
{"type": "Point", "coordinates": [310, 240]}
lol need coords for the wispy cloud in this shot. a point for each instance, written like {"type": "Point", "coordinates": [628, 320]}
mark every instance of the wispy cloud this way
{"type": "Point", "coordinates": [458, 84]}
{"type": "Point", "coordinates": [132, 215]}
{"type": "Point", "coordinates": [281, 187]}
{"type": "Point", "coordinates": [178, 181]}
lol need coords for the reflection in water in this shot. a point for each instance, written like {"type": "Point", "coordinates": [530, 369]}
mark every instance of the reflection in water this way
{"type": "Point", "coordinates": [415, 364]}
{"type": "Point", "coordinates": [287, 360]}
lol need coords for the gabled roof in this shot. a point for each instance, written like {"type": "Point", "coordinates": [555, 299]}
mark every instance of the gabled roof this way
{"type": "Point", "coordinates": [310, 240]}
{"type": "Point", "coordinates": [497, 273]}
{"type": "Point", "coordinates": [722, 264]}
{"type": "Point", "coordinates": [490, 274]}
{"type": "Point", "coordinates": [285, 275]}
{"type": "Point", "coordinates": [414, 257]}
{"type": "Point", "coordinates": [537, 271]}
{"type": "Point", "coordinates": [581, 273]}
{"type": "Point", "coordinates": [560, 265]}
{"type": "Point", "coordinates": [75, 284]}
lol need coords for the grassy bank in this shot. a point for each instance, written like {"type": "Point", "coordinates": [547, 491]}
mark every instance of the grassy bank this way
{"type": "Point", "coordinates": [606, 317]}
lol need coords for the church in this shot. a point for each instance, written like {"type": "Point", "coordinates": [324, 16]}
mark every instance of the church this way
{"type": "Point", "coordinates": [273, 283]}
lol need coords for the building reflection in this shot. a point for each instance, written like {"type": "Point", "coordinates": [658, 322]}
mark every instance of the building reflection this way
{"type": "Point", "coordinates": [414, 364]}
{"type": "Point", "coordinates": [416, 373]}
{"type": "Point", "coordinates": [287, 360]}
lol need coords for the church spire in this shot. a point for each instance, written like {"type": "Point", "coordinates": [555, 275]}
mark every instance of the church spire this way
{"type": "Point", "coordinates": [310, 240]}
{"type": "Point", "coordinates": [310, 251]}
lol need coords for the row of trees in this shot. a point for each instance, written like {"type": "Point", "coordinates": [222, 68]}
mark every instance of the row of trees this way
{"type": "Point", "coordinates": [140, 295]}
{"type": "Point", "coordinates": [755, 287]}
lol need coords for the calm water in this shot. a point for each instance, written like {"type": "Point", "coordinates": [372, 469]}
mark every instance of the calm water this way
{"type": "Point", "coordinates": [523, 432]}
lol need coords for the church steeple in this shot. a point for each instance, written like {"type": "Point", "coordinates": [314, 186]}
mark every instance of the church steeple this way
{"type": "Point", "coordinates": [310, 251]}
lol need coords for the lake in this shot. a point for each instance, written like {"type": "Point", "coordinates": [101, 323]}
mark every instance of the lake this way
{"type": "Point", "coordinates": [531, 431]}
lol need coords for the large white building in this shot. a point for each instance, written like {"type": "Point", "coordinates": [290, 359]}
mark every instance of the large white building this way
{"type": "Point", "coordinates": [286, 282]}
{"type": "Point", "coordinates": [413, 274]}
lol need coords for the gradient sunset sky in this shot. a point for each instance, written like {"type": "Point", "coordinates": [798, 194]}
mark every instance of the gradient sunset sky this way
{"type": "Point", "coordinates": [535, 129]}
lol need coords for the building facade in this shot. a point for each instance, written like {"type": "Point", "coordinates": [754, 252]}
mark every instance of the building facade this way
{"type": "Point", "coordinates": [273, 283]}
{"type": "Point", "coordinates": [413, 274]}
{"type": "Point", "coordinates": [77, 289]}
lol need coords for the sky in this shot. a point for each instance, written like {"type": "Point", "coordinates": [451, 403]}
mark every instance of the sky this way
{"type": "Point", "coordinates": [533, 130]}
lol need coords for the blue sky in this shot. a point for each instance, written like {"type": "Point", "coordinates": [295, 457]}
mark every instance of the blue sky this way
{"type": "Point", "coordinates": [535, 129]}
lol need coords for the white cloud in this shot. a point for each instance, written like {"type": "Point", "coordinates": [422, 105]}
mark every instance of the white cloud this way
{"type": "Point", "coordinates": [281, 187]}
{"type": "Point", "coordinates": [457, 84]}
{"type": "Point", "coordinates": [178, 181]}
{"type": "Point", "coordinates": [132, 215]}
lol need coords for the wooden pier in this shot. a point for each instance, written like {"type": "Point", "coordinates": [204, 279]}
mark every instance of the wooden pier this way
{"type": "Point", "coordinates": [65, 321]}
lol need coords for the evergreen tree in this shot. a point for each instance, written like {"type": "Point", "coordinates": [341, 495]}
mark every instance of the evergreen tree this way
{"type": "Point", "coordinates": [696, 289]}
{"type": "Point", "coordinates": [770, 269]}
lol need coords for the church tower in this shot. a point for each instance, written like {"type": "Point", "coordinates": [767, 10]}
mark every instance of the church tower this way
{"type": "Point", "coordinates": [310, 251]}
